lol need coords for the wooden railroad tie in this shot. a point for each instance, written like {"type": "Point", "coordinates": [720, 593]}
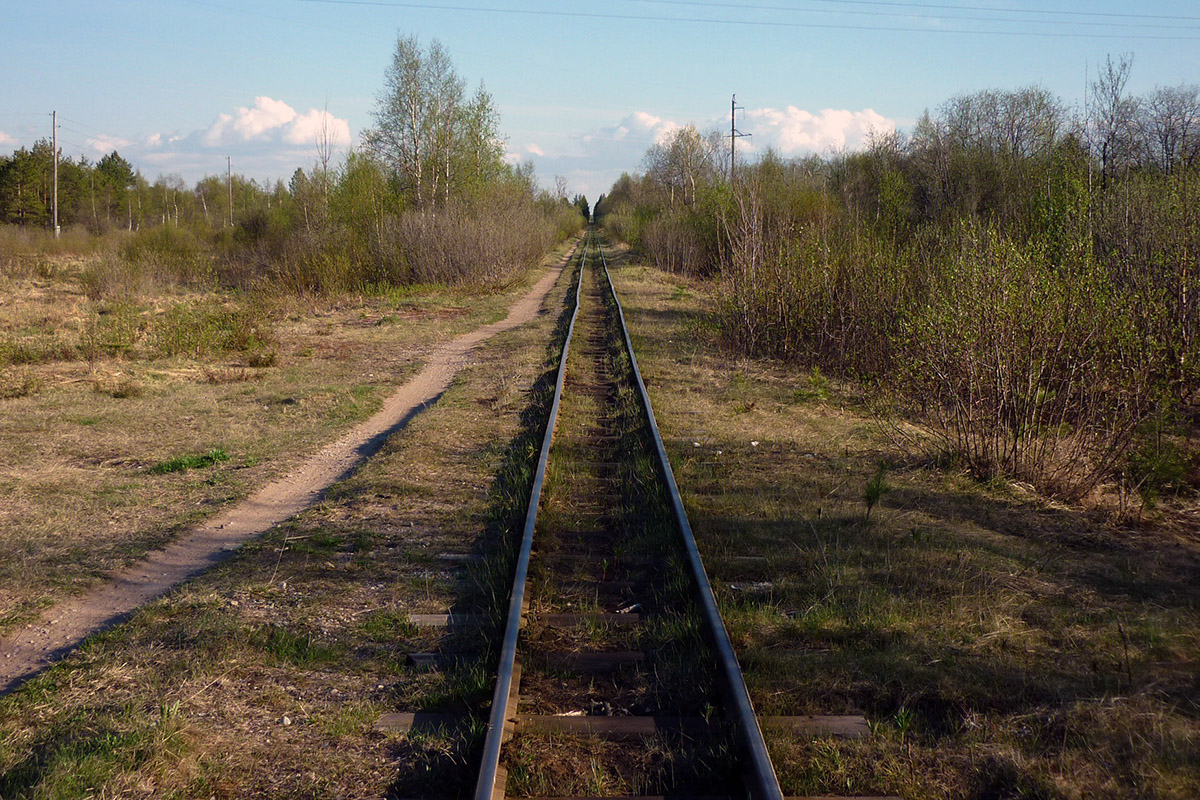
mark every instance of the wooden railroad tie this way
{"type": "Point", "coordinates": [843, 727]}
{"type": "Point", "coordinates": [552, 620]}
{"type": "Point", "coordinates": [596, 663]}
{"type": "Point", "coordinates": [619, 728]}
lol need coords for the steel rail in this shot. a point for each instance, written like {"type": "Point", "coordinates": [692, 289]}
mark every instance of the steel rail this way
{"type": "Point", "coordinates": [490, 764]}
{"type": "Point", "coordinates": [762, 781]}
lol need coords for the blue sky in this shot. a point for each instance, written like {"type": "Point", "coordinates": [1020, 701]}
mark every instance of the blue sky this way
{"type": "Point", "coordinates": [583, 88]}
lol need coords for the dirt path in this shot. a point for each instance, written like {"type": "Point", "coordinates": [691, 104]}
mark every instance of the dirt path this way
{"type": "Point", "coordinates": [62, 627]}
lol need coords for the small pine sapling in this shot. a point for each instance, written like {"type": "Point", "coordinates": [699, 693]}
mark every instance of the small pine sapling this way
{"type": "Point", "coordinates": [876, 488]}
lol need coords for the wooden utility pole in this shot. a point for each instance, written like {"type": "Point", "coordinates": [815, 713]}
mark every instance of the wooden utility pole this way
{"type": "Point", "coordinates": [54, 137]}
{"type": "Point", "coordinates": [229, 181]}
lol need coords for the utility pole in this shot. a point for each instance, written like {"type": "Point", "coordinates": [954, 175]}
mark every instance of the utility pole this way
{"type": "Point", "coordinates": [1087, 142]}
{"type": "Point", "coordinates": [229, 181]}
{"type": "Point", "coordinates": [54, 137]}
{"type": "Point", "coordinates": [734, 135]}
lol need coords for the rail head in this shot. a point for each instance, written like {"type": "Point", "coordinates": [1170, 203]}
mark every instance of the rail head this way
{"type": "Point", "coordinates": [762, 781]}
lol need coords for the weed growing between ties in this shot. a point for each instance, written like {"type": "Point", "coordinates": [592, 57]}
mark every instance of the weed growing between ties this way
{"type": "Point", "coordinates": [604, 497]}
{"type": "Point", "coordinates": [572, 766]}
{"type": "Point", "coordinates": [999, 645]}
{"type": "Point", "coordinates": [681, 656]}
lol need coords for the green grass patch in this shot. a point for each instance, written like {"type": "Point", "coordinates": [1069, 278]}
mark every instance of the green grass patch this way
{"type": "Point", "coordinates": [194, 461]}
{"type": "Point", "coordinates": [387, 627]}
{"type": "Point", "coordinates": [288, 646]}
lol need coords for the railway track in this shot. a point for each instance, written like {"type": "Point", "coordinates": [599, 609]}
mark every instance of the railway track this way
{"type": "Point", "coordinates": [616, 676]}
{"type": "Point", "coordinates": [614, 658]}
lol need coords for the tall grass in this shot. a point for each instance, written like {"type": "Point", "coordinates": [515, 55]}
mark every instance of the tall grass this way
{"type": "Point", "coordinates": [27, 251]}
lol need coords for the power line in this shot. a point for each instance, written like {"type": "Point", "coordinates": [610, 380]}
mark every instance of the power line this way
{"type": "Point", "coordinates": [936, 18]}
{"type": "Point", "coordinates": [1114, 14]}
{"type": "Point", "coordinates": [80, 124]}
{"type": "Point", "coordinates": [76, 130]}
{"type": "Point", "coordinates": [936, 6]}
{"type": "Point", "coordinates": [750, 23]}
{"type": "Point", "coordinates": [79, 146]}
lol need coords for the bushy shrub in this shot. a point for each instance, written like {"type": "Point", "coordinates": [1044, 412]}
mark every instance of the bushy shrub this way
{"type": "Point", "coordinates": [1031, 300]}
{"type": "Point", "coordinates": [1039, 374]}
{"type": "Point", "coordinates": [319, 260]}
{"type": "Point", "coordinates": [456, 247]}
{"type": "Point", "coordinates": [149, 261]}
{"type": "Point", "coordinates": [822, 296]}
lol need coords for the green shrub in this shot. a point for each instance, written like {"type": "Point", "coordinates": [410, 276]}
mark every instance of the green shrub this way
{"type": "Point", "coordinates": [1036, 373]}
{"type": "Point", "coordinates": [162, 244]}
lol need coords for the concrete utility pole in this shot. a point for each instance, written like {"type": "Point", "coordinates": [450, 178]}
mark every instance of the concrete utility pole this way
{"type": "Point", "coordinates": [229, 180]}
{"type": "Point", "coordinates": [54, 137]}
{"type": "Point", "coordinates": [734, 135]}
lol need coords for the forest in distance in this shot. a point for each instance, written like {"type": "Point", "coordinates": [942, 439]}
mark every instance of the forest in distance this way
{"type": "Point", "coordinates": [426, 198]}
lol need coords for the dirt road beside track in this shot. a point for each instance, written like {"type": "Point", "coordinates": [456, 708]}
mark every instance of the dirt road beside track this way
{"type": "Point", "coordinates": [63, 626]}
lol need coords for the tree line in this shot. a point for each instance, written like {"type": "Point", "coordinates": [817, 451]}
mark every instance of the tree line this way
{"type": "Point", "coordinates": [1019, 276]}
{"type": "Point", "coordinates": [428, 196]}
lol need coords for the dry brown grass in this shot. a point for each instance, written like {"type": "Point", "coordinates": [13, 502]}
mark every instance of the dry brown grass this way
{"type": "Point", "coordinates": [984, 632]}
{"type": "Point", "coordinates": [1000, 645]}
{"type": "Point", "coordinates": [578, 766]}
{"type": "Point", "coordinates": [81, 426]}
{"type": "Point", "coordinates": [307, 623]}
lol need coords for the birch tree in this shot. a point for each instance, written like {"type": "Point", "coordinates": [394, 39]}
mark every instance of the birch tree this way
{"type": "Point", "coordinates": [436, 141]}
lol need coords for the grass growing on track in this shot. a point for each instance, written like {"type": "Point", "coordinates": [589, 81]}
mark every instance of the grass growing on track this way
{"type": "Point", "coordinates": [1001, 646]}
{"type": "Point", "coordinates": [278, 662]}
{"type": "Point", "coordinates": [677, 678]}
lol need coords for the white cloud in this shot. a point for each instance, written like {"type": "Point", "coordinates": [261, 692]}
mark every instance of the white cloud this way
{"type": "Point", "coordinates": [641, 128]}
{"type": "Point", "coordinates": [271, 124]}
{"type": "Point", "coordinates": [315, 125]}
{"type": "Point", "coordinates": [593, 160]}
{"type": "Point", "coordinates": [655, 128]}
{"type": "Point", "coordinates": [794, 131]}
{"type": "Point", "coordinates": [267, 140]}
{"type": "Point", "coordinates": [248, 124]}
{"type": "Point", "coordinates": [216, 133]}
{"type": "Point", "coordinates": [107, 144]}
